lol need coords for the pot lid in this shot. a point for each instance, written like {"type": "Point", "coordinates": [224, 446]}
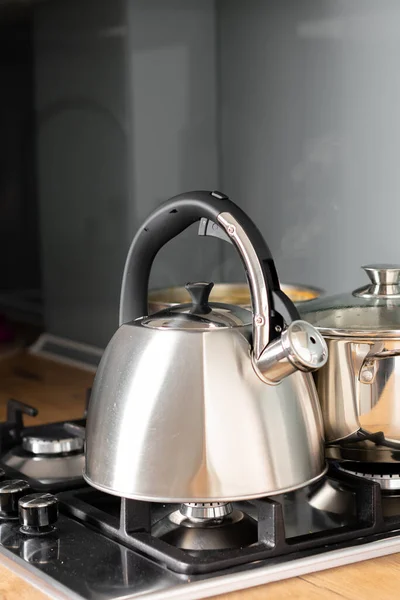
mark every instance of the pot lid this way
{"type": "Point", "coordinates": [373, 309]}
{"type": "Point", "coordinates": [200, 315]}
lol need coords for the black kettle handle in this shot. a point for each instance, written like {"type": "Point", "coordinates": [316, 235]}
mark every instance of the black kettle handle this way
{"type": "Point", "coordinates": [175, 215]}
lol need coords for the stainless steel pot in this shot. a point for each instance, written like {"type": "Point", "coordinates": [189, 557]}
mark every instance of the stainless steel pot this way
{"type": "Point", "coordinates": [359, 387]}
{"type": "Point", "coordinates": [205, 401]}
{"type": "Point", "coordinates": [228, 293]}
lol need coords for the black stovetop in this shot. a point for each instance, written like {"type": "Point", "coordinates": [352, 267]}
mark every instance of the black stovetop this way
{"type": "Point", "coordinates": [104, 546]}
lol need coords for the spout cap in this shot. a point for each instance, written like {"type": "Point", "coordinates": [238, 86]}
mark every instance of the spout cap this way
{"type": "Point", "coordinates": [300, 348]}
{"type": "Point", "coordinates": [305, 346]}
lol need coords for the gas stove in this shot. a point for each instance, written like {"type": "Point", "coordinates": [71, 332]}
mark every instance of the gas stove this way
{"type": "Point", "coordinates": [73, 541]}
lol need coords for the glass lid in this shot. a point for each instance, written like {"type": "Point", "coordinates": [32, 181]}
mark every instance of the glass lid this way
{"type": "Point", "coordinates": [201, 314]}
{"type": "Point", "coordinates": [372, 309]}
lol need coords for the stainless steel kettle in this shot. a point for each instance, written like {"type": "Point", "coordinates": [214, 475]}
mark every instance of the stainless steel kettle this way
{"type": "Point", "coordinates": [205, 401]}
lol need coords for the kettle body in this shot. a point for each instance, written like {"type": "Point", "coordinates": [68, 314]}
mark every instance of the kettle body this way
{"type": "Point", "coordinates": [183, 410]}
{"type": "Point", "coordinates": [222, 435]}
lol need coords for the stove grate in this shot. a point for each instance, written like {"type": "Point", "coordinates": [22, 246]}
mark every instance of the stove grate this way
{"type": "Point", "coordinates": [130, 523]}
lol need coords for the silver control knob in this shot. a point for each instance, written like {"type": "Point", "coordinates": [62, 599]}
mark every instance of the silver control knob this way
{"type": "Point", "coordinates": [38, 513]}
{"type": "Point", "coordinates": [11, 490]}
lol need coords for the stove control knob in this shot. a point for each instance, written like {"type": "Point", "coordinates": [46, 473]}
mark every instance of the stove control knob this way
{"type": "Point", "coordinates": [11, 490]}
{"type": "Point", "coordinates": [38, 513]}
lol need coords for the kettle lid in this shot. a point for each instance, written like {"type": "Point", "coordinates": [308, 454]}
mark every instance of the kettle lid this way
{"type": "Point", "coordinates": [372, 310]}
{"type": "Point", "coordinates": [200, 314]}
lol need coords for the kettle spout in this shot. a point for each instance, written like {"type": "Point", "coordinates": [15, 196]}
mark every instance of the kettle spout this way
{"type": "Point", "coordinates": [300, 348]}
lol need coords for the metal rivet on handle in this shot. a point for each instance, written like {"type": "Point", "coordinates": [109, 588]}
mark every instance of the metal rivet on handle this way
{"type": "Point", "coordinates": [367, 376]}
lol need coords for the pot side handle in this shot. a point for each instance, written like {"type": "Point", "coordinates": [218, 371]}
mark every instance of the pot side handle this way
{"type": "Point", "coordinates": [369, 367]}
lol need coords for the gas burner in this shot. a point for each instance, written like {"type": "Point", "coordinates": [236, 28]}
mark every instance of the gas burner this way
{"type": "Point", "coordinates": [198, 526]}
{"type": "Point", "coordinates": [387, 475]}
{"type": "Point", "coordinates": [49, 455]}
{"type": "Point", "coordinates": [62, 444]}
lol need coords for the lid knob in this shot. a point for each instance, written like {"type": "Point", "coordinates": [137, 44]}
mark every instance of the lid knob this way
{"type": "Point", "coordinates": [385, 279]}
{"type": "Point", "coordinates": [200, 292]}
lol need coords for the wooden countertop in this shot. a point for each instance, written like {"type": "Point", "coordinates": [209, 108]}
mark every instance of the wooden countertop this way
{"type": "Point", "coordinates": [59, 393]}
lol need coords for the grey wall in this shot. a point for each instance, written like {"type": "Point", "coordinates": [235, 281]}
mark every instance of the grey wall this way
{"type": "Point", "coordinates": [172, 76]}
{"type": "Point", "coordinates": [310, 129]}
{"type": "Point", "coordinates": [83, 189]}
{"type": "Point", "coordinates": [126, 109]}
{"type": "Point", "coordinates": [290, 107]}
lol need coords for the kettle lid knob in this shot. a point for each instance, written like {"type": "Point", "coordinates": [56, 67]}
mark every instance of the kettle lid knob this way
{"type": "Point", "coordinates": [199, 292]}
{"type": "Point", "coordinates": [385, 282]}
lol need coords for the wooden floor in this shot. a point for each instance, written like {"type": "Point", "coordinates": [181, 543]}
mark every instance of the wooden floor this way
{"type": "Point", "coordinates": [59, 393]}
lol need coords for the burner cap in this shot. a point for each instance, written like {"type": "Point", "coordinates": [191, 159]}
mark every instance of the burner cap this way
{"type": "Point", "coordinates": [206, 510]}
{"type": "Point", "coordinates": [52, 445]}
{"type": "Point", "coordinates": [387, 475]}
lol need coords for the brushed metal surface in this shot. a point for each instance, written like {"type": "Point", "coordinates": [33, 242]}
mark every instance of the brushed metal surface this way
{"type": "Point", "coordinates": [181, 416]}
{"type": "Point", "coordinates": [184, 316]}
{"type": "Point", "coordinates": [359, 388]}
